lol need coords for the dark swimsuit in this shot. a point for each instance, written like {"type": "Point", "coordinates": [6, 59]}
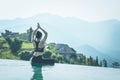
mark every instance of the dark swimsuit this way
{"type": "Point", "coordinates": [37, 59]}
{"type": "Point", "coordinates": [38, 49]}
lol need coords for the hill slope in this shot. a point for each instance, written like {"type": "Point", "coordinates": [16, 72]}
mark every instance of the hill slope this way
{"type": "Point", "coordinates": [103, 36]}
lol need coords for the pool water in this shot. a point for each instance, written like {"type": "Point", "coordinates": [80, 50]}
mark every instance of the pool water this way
{"type": "Point", "coordinates": [22, 70]}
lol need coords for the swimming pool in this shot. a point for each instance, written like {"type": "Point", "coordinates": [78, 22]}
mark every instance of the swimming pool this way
{"type": "Point", "coordinates": [22, 70]}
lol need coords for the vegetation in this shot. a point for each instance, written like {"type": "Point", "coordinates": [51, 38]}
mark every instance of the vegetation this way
{"type": "Point", "coordinates": [29, 32]}
{"type": "Point", "coordinates": [27, 46]}
{"type": "Point", "coordinates": [20, 47]}
{"type": "Point", "coordinates": [8, 55]}
{"type": "Point", "coordinates": [14, 45]}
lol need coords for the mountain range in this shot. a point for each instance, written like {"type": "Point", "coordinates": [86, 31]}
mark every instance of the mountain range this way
{"type": "Point", "coordinates": [90, 38]}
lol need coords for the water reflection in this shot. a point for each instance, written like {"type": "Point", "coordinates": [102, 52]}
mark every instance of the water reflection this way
{"type": "Point", "coordinates": [37, 73]}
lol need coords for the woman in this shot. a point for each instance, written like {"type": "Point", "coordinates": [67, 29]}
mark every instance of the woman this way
{"type": "Point", "coordinates": [38, 44]}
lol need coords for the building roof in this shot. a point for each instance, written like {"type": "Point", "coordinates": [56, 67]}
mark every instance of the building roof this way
{"type": "Point", "coordinates": [64, 49]}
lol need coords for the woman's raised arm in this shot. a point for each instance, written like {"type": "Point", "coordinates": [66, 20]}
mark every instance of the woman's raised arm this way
{"type": "Point", "coordinates": [46, 34]}
{"type": "Point", "coordinates": [33, 34]}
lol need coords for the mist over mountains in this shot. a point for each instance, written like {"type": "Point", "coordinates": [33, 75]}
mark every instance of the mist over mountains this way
{"type": "Point", "coordinates": [89, 38]}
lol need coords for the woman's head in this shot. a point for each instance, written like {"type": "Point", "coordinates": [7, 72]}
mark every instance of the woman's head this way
{"type": "Point", "coordinates": [38, 35]}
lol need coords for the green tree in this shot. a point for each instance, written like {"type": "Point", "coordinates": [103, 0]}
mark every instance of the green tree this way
{"type": "Point", "coordinates": [84, 61]}
{"type": "Point", "coordinates": [91, 61]}
{"type": "Point", "coordinates": [15, 45]}
{"type": "Point", "coordinates": [51, 47]}
{"type": "Point", "coordinates": [100, 63]}
{"type": "Point", "coordinates": [78, 60]}
{"type": "Point", "coordinates": [47, 54]}
{"type": "Point", "coordinates": [6, 34]}
{"type": "Point", "coordinates": [55, 58]}
{"type": "Point", "coordinates": [96, 61]}
{"type": "Point", "coordinates": [25, 55]}
{"type": "Point", "coordinates": [29, 32]}
{"type": "Point", "coordinates": [104, 63]}
{"type": "Point", "coordinates": [2, 42]}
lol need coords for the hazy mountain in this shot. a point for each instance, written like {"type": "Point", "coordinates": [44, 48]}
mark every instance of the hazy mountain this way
{"type": "Point", "coordinates": [91, 51]}
{"type": "Point", "coordinates": [103, 36]}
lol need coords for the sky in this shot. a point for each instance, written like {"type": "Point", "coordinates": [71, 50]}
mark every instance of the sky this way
{"type": "Point", "coordinates": [89, 10]}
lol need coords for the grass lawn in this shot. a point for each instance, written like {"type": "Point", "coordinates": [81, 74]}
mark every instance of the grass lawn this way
{"type": "Point", "coordinates": [26, 45]}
